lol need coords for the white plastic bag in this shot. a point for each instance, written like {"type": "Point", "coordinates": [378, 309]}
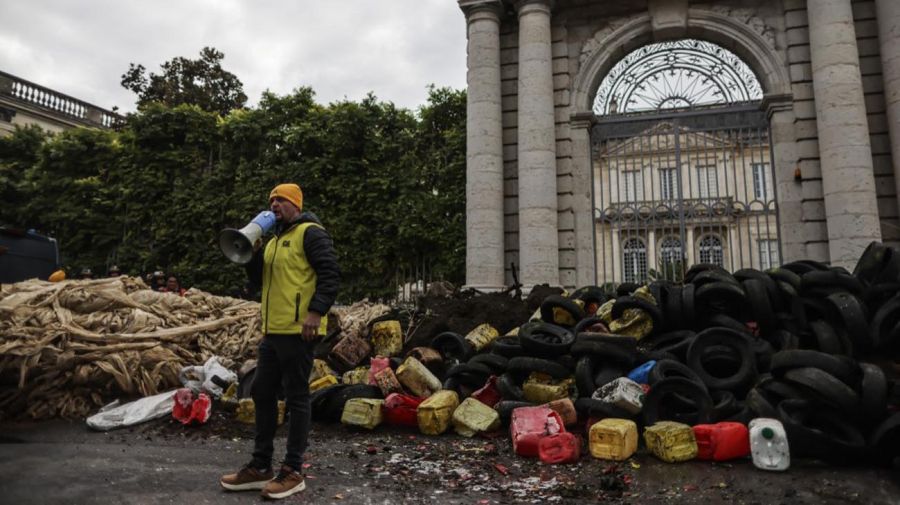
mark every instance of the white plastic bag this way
{"type": "Point", "coordinates": [206, 373]}
{"type": "Point", "coordinates": [114, 416]}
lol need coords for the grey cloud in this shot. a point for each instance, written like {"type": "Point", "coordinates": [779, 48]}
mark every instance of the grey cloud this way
{"type": "Point", "coordinates": [340, 48]}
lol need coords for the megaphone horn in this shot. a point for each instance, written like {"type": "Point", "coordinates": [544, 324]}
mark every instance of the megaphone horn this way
{"type": "Point", "coordinates": [239, 245]}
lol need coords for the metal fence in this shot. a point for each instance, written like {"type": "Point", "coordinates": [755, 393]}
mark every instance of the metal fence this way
{"type": "Point", "coordinates": [676, 189]}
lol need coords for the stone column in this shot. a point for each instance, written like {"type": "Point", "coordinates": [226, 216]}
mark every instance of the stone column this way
{"type": "Point", "coordinates": [538, 239]}
{"type": "Point", "coordinates": [689, 247]}
{"type": "Point", "coordinates": [484, 147]}
{"type": "Point", "coordinates": [888, 16]}
{"type": "Point", "coordinates": [585, 226]}
{"type": "Point", "coordinates": [788, 191]}
{"type": "Point", "coordinates": [848, 182]}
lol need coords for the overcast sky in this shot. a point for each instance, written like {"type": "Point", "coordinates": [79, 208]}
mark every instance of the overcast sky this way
{"type": "Point", "coordinates": [341, 48]}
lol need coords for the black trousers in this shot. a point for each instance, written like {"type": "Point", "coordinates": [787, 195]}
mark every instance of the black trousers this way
{"type": "Point", "coordinates": [284, 359]}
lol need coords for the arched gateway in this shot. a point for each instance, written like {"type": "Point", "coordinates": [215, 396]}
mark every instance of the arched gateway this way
{"type": "Point", "coordinates": [579, 171]}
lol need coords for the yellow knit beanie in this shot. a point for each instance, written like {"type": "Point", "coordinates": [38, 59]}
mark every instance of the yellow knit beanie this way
{"type": "Point", "coordinates": [290, 192]}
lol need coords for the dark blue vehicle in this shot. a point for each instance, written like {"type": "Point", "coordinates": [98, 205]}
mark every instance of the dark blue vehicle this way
{"type": "Point", "coordinates": [26, 255]}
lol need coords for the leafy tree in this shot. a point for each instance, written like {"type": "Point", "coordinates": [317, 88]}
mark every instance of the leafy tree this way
{"type": "Point", "coordinates": [201, 82]}
{"type": "Point", "coordinates": [389, 186]}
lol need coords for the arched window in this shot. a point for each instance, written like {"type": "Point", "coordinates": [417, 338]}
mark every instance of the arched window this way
{"type": "Point", "coordinates": [634, 256]}
{"type": "Point", "coordinates": [676, 74]}
{"type": "Point", "coordinates": [670, 258]}
{"type": "Point", "coordinates": [711, 250]}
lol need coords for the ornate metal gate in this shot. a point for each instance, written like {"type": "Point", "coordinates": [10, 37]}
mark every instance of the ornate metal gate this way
{"type": "Point", "coordinates": [684, 187]}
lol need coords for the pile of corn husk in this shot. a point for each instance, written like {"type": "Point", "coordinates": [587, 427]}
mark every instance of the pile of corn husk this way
{"type": "Point", "coordinates": [67, 348]}
{"type": "Point", "coordinates": [353, 319]}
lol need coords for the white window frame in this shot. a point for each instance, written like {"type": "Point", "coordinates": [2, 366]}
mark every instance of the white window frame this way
{"type": "Point", "coordinates": [707, 181]}
{"type": "Point", "coordinates": [760, 180]}
{"type": "Point", "coordinates": [634, 260]}
{"type": "Point", "coordinates": [711, 253]}
{"type": "Point", "coordinates": [633, 185]}
{"type": "Point", "coordinates": [668, 184]}
{"type": "Point", "coordinates": [768, 253]}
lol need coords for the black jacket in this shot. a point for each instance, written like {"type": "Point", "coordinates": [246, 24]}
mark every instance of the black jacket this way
{"type": "Point", "coordinates": [319, 249]}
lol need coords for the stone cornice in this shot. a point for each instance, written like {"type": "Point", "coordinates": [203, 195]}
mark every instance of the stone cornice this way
{"type": "Point", "coordinates": [582, 120]}
{"type": "Point", "coordinates": [772, 103]}
{"type": "Point", "coordinates": [479, 9]}
{"type": "Point", "coordinates": [527, 6]}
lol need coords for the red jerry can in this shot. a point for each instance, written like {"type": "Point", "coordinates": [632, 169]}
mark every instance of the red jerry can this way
{"type": "Point", "coordinates": [559, 448]}
{"type": "Point", "coordinates": [377, 364]}
{"type": "Point", "coordinates": [184, 400]}
{"type": "Point", "coordinates": [400, 410]}
{"type": "Point", "coordinates": [722, 441]}
{"type": "Point", "coordinates": [529, 424]}
{"type": "Point", "coordinates": [488, 394]}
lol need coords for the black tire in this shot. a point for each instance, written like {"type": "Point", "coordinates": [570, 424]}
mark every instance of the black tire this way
{"type": "Point", "coordinates": [782, 340]}
{"type": "Point", "coordinates": [584, 376]}
{"type": "Point", "coordinates": [800, 267]}
{"type": "Point", "coordinates": [632, 302]}
{"type": "Point", "coordinates": [452, 346]}
{"type": "Point", "coordinates": [689, 305]}
{"type": "Point", "coordinates": [742, 378]}
{"type": "Point", "coordinates": [507, 346]}
{"type": "Point", "coordinates": [505, 408]}
{"type": "Point", "coordinates": [596, 408]}
{"type": "Point", "coordinates": [785, 360]}
{"type": "Point", "coordinates": [525, 365]}
{"type": "Point", "coordinates": [885, 439]}
{"type": "Point", "coordinates": [759, 404]}
{"type": "Point", "coordinates": [590, 295]}
{"type": "Point", "coordinates": [626, 288]}
{"type": "Point", "coordinates": [820, 433]}
{"type": "Point", "coordinates": [658, 404]}
{"type": "Point", "coordinates": [786, 276]}
{"type": "Point", "coordinates": [673, 313]}
{"type": "Point", "coordinates": [760, 304]}
{"type": "Point", "coordinates": [509, 388]}
{"type": "Point", "coordinates": [777, 390]}
{"type": "Point", "coordinates": [495, 362]}
{"type": "Point", "coordinates": [545, 339]}
{"type": "Point", "coordinates": [829, 281]}
{"type": "Point", "coordinates": [603, 375]}
{"type": "Point", "coordinates": [886, 318]}
{"type": "Point", "coordinates": [675, 342]}
{"type": "Point", "coordinates": [726, 321]}
{"type": "Point", "coordinates": [587, 322]}
{"type": "Point", "coordinates": [665, 369]}
{"type": "Point", "coordinates": [723, 296]}
{"type": "Point", "coordinates": [852, 315]}
{"type": "Point", "coordinates": [873, 391]}
{"type": "Point", "coordinates": [560, 302]}
{"type": "Point", "coordinates": [872, 262]}
{"type": "Point", "coordinates": [827, 388]}
{"type": "Point", "coordinates": [826, 338]}
{"type": "Point", "coordinates": [605, 351]}
{"type": "Point", "coordinates": [724, 405]}
{"type": "Point", "coordinates": [697, 268]}
{"type": "Point", "coordinates": [712, 275]}
{"type": "Point", "coordinates": [769, 283]}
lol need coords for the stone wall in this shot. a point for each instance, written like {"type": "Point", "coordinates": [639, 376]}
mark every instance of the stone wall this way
{"type": "Point", "coordinates": [782, 59]}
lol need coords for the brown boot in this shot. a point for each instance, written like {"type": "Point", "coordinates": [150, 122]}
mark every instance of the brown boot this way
{"type": "Point", "coordinates": [246, 478]}
{"type": "Point", "coordinates": [287, 482]}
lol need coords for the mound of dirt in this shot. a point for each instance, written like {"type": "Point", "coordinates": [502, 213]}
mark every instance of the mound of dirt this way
{"type": "Point", "coordinates": [463, 312]}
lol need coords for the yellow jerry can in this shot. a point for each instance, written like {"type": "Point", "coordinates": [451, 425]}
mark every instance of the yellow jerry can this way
{"type": "Point", "coordinates": [670, 441]}
{"type": "Point", "coordinates": [473, 417]}
{"type": "Point", "coordinates": [320, 369]}
{"type": "Point", "coordinates": [435, 413]}
{"type": "Point", "coordinates": [246, 411]}
{"type": "Point", "coordinates": [614, 439]}
{"type": "Point", "coordinates": [359, 375]}
{"type": "Point", "coordinates": [482, 336]}
{"type": "Point", "coordinates": [362, 412]}
{"type": "Point", "coordinates": [322, 383]}
{"type": "Point", "coordinates": [564, 317]}
{"type": "Point", "coordinates": [513, 332]}
{"type": "Point", "coordinates": [387, 338]}
{"type": "Point", "coordinates": [417, 378]}
{"type": "Point", "coordinates": [540, 388]}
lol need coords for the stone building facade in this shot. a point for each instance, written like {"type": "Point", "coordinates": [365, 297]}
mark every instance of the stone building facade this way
{"type": "Point", "coordinates": [24, 103]}
{"type": "Point", "coordinates": [830, 77]}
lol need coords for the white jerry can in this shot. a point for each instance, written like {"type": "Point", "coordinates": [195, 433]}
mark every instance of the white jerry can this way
{"type": "Point", "coordinates": [769, 445]}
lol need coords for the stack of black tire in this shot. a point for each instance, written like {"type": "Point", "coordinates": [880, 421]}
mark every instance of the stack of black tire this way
{"type": "Point", "coordinates": [802, 343]}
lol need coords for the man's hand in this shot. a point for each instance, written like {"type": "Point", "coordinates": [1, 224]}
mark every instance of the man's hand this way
{"type": "Point", "coordinates": [311, 326]}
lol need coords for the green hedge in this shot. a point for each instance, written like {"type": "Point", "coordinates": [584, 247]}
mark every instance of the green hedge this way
{"type": "Point", "coordinates": [388, 184]}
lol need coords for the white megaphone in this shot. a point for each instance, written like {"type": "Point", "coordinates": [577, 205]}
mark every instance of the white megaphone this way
{"type": "Point", "coordinates": [239, 245]}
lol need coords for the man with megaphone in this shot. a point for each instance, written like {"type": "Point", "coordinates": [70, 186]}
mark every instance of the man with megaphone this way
{"type": "Point", "coordinates": [299, 274]}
